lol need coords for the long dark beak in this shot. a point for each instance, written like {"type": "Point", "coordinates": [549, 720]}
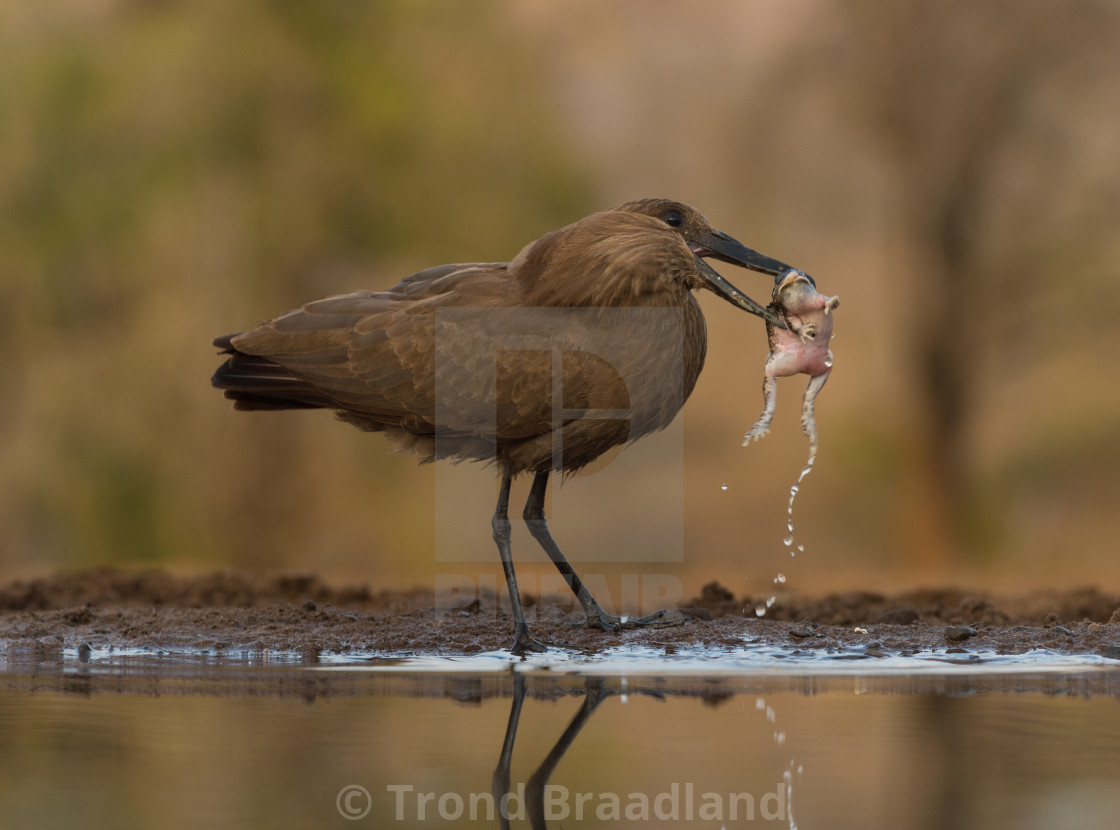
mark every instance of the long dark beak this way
{"type": "Point", "coordinates": [720, 246]}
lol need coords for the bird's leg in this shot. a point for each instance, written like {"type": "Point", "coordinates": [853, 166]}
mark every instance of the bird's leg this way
{"type": "Point", "coordinates": [596, 616]}
{"type": "Point", "coordinates": [523, 640]}
{"type": "Point", "coordinates": [500, 786]}
{"type": "Point", "coordinates": [538, 782]}
{"type": "Point", "coordinates": [535, 521]}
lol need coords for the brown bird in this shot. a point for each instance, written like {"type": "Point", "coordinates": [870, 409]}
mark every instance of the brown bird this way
{"type": "Point", "coordinates": [588, 339]}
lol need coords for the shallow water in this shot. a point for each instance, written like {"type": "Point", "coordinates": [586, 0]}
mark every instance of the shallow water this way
{"type": "Point", "coordinates": [622, 739]}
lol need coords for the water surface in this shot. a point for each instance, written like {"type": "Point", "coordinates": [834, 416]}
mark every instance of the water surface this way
{"type": "Point", "coordinates": [622, 740]}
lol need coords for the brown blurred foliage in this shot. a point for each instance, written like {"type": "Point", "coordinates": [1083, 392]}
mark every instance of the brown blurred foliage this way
{"type": "Point", "coordinates": [172, 171]}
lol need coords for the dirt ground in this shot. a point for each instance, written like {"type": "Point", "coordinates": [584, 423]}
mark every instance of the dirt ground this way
{"type": "Point", "coordinates": [226, 613]}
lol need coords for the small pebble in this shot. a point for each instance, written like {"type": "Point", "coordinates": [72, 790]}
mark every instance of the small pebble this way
{"type": "Point", "coordinates": [801, 633]}
{"type": "Point", "coordinates": [1110, 651]}
{"type": "Point", "coordinates": [310, 605]}
{"type": "Point", "coordinates": [957, 633]}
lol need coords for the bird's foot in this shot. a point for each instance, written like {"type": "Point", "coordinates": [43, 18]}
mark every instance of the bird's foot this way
{"type": "Point", "coordinates": [611, 623]}
{"type": "Point", "coordinates": [524, 642]}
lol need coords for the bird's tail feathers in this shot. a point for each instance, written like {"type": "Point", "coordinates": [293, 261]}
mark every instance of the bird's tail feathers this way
{"type": "Point", "coordinates": [254, 382]}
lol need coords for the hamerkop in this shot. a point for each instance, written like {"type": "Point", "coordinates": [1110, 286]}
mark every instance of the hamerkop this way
{"type": "Point", "coordinates": [589, 338]}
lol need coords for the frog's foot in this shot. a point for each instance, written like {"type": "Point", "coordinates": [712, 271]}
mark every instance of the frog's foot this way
{"type": "Point", "coordinates": [809, 426]}
{"type": "Point", "coordinates": [770, 396]}
{"type": "Point", "coordinates": [807, 332]}
{"type": "Point", "coordinates": [755, 433]}
{"type": "Point", "coordinates": [808, 418]}
{"type": "Point", "coordinates": [832, 303]}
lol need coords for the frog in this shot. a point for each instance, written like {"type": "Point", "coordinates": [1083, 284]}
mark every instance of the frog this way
{"type": "Point", "coordinates": [802, 347]}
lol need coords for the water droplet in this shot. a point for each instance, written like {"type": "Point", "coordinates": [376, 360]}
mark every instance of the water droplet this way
{"type": "Point", "coordinates": [828, 362]}
{"type": "Point", "coordinates": [770, 601]}
{"type": "Point", "coordinates": [780, 579]}
{"type": "Point", "coordinates": [788, 540]}
{"type": "Point", "coordinates": [723, 487]}
{"type": "Point", "coordinates": [801, 548]}
{"type": "Point", "coordinates": [760, 610]}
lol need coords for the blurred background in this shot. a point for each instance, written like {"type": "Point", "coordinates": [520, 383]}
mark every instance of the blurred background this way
{"type": "Point", "coordinates": [172, 171]}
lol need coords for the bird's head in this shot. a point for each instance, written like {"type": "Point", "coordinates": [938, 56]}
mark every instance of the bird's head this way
{"type": "Point", "coordinates": [705, 241]}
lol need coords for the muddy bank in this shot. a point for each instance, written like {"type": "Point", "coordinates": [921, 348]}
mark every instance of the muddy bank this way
{"type": "Point", "coordinates": [239, 613]}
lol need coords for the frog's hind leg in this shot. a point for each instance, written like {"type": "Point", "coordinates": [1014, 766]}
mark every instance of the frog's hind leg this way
{"type": "Point", "coordinates": [808, 419]}
{"type": "Point", "coordinates": [762, 425]}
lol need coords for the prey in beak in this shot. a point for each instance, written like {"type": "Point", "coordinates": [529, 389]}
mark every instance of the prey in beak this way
{"type": "Point", "coordinates": [706, 242]}
{"type": "Point", "coordinates": [721, 246]}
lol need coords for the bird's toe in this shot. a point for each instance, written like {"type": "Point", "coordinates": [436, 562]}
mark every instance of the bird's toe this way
{"type": "Point", "coordinates": [524, 643]}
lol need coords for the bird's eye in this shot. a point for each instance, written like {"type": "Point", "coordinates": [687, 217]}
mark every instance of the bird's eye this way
{"type": "Point", "coordinates": [673, 219]}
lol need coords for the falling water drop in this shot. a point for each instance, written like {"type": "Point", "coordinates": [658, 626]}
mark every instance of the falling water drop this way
{"type": "Point", "coordinates": [788, 777]}
{"type": "Point", "coordinates": [780, 579]}
{"type": "Point", "coordinates": [794, 489]}
{"type": "Point", "coordinates": [723, 487]}
{"type": "Point", "coordinates": [760, 610]}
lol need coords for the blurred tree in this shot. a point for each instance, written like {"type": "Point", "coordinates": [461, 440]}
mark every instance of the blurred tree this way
{"type": "Point", "coordinates": [169, 171]}
{"type": "Point", "coordinates": [970, 103]}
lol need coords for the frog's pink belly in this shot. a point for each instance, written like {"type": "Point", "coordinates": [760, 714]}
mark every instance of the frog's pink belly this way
{"type": "Point", "coordinates": [808, 359]}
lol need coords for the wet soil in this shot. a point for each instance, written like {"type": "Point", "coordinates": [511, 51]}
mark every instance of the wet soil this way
{"type": "Point", "coordinates": [227, 613]}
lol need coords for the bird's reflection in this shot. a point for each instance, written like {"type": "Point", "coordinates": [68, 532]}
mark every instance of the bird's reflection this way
{"type": "Point", "coordinates": [531, 800]}
{"type": "Point", "coordinates": [595, 691]}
